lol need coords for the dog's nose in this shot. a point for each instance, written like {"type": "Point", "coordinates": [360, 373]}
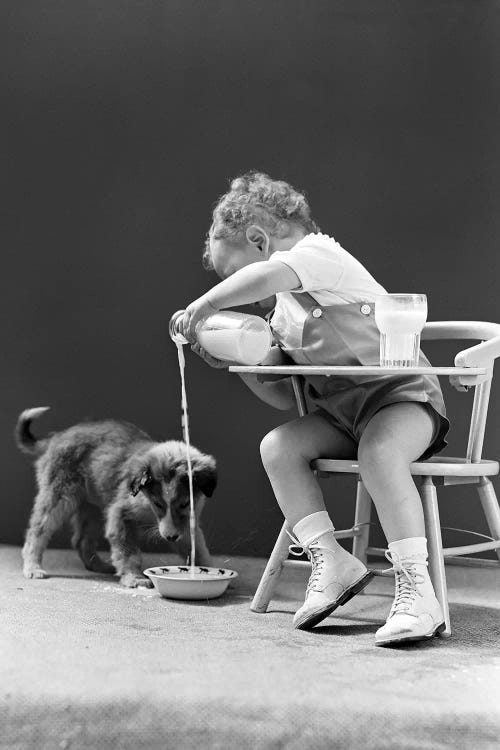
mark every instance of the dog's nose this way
{"type": "Point", "coordinates": [172, 537]}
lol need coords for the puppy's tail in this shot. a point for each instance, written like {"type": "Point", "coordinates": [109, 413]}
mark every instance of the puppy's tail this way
{"type": "Point", "coordinates": [26, 442]}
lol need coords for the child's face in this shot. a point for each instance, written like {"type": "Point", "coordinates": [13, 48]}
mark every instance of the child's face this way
{"type": "Point", "coordinates": [229, 255]}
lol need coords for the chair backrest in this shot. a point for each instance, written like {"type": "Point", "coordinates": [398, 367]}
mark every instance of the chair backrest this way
{"type": "Point", "coordinates": [479, 355]}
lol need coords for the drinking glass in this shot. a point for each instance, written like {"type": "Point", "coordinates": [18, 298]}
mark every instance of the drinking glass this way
{"type": "Point", "coordinates": [400, 319]}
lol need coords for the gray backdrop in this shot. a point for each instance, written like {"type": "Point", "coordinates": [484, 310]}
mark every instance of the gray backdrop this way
{"type": "Point", "coordinates": [123, 122]}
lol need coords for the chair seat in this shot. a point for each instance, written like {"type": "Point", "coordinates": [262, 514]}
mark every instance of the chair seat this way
{"type": "Point", "coordinates": [446, 466]}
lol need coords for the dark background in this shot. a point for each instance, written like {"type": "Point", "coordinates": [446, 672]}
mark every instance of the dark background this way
{"type": "Point", "coordinates": [123, 122]}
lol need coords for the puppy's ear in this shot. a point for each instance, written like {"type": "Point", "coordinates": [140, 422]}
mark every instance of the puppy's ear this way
{"type": "Point", "coordinates": [140, 477]}
{"type": "Point", "coordinates": [205, 478]}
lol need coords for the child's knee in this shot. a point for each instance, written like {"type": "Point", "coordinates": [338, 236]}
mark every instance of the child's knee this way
{"type": "Point", "coordinates": [377, 454]}
{"type": "Point", "coordinates": [276, 446]}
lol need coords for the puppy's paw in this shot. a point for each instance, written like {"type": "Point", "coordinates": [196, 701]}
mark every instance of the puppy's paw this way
{"type": "Point", "coordinates": [31, 571]}
{"type": "Point", "coordinates": [133, 580]}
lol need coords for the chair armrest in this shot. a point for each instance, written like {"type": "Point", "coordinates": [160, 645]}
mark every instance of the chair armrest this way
{"type": "Point", "coordinates": [480, 355]}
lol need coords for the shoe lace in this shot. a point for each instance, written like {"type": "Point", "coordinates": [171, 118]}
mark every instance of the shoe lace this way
{"type": "Point", "coordinates": [316, 554]}
{"type": "Point", "coordinates": [406, 579]}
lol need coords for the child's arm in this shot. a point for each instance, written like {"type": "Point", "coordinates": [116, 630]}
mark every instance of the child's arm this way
{"type": "Point", "coordinates": [279, 393]}
{"type": "Point", "coordinates": [250, 284]}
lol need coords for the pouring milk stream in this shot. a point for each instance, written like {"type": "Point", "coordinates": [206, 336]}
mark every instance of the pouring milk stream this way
{"type": "Point", "coordinates": [229, 336]}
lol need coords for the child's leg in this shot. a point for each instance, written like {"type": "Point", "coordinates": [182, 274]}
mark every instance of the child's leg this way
{"type": "Point", "coordinates": [396, 436]}
{"type": "Point", "coordinates": [286, 454]}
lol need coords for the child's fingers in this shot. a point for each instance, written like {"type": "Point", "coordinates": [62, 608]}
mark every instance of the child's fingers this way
{"type": "Point", "coordinates": [457, 383]}
{"type": "Point", "coordinates": [212, 361]}
{"type": "Point", "coordinates": [194, 313]}
{"type": "Point", "coordinates": [196, 348]}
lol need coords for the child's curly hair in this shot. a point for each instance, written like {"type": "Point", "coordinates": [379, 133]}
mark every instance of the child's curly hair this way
{"type": "Point", "coordinates": [256, 197]}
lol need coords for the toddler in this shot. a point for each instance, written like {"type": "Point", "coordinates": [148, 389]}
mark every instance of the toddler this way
{"type": "Point", "coordinates": [265, 246]}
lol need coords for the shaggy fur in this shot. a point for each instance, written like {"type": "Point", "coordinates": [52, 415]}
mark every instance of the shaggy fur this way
{"type": "Point", "coordinates": [112, 472]}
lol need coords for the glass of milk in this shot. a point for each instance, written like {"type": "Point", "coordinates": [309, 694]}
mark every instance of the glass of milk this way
{"type": "Point", "coordinates": [400, 319]}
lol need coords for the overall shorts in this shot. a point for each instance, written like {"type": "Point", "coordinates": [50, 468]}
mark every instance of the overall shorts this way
{"type": "Point", "coordinates": [346, 334]}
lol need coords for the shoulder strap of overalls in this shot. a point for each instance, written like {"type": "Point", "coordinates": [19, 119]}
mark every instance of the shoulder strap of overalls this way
{"type": "Point", "coordinates": [300, 297]}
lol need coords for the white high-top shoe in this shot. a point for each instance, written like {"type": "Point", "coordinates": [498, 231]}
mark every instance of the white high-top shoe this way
{"type": "Point", "coordinates": [336, 577]}
{"type": "Point", "coordinates": [416, 613]}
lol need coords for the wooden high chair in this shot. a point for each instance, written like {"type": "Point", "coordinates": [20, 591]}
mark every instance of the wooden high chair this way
{"type": "Point", "coordinates": [442, 470]}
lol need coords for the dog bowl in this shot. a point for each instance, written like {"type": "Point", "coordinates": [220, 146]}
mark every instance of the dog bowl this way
{"type": "Point", "coordinates": [179, 582]}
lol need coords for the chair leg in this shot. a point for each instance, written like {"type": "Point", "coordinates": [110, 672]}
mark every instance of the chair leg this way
{"type": "Point", "coordinates": [437, 574]}
{"type": "Point", "coordinates": [272, 572]}
{"type": "Point", "coordinates": [491, 508]}
{"type": "Point", "coordinates": [362, 519]}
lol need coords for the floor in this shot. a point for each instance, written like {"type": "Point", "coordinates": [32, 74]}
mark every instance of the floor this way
{"type": "Point", "coordinates": [86, 663]}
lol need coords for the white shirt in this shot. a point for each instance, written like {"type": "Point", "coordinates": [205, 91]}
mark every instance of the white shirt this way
{"type": "Point", "coordinates": [330, 274]}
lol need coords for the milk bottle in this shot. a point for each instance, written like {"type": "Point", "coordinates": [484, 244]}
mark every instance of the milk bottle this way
{"type": "Point", "coordinates": [229, 336]}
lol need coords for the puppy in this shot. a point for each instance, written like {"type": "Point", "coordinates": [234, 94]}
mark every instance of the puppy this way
{"type": "Point", "coordinates": [112, 472]}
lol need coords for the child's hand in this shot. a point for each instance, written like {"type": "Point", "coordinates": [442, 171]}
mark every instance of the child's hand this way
{"type": "Point", "coordinates": [212, 361]}
{"type": "Point", "coordinates": [276, 357]}
{"type": "Point", "coordinates": [196, 311]}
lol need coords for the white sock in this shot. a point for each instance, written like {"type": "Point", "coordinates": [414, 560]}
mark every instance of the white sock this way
{"type": "Point", "coordinates": [309, 528]}
{"type": "Point", "coordinates": [414, 548]}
